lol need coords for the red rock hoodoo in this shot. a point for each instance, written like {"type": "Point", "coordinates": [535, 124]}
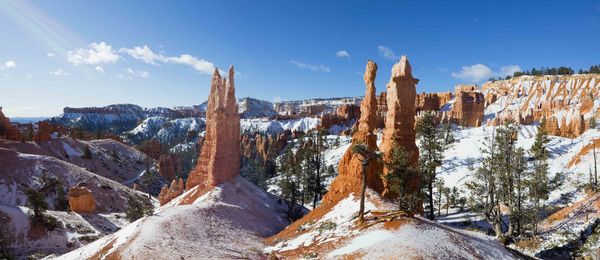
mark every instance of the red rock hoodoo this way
{"type": "Point", "coordinates": [169, 192]}
{"type": "Point", "coordinates": [469, 106]}
{"type": "Point", "coordinates": [81, 200]}
{"type": "Point", "coordinates": [400, 119]}
{"type": "Point", "coordinates": [7, 130]}
{"type": "Point", "coordinates": [350, 167]}
{"type": "Point", "coordinates": [166, 167]}
{"type": "Point", "coordinates": [219, 159]}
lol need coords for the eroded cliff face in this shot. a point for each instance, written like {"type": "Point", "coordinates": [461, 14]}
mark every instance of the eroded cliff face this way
{"type": "Point", "coordinates": [567, 102]}
{"type": "Point", "coordinates": [219, 159]}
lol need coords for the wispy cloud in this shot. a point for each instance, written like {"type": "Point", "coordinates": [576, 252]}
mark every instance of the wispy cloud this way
{"type": "Point", "coordinates": [50, 54]}
{"type": "Point", "coordinates": [386, 52]}
{"type": "Point", "coordinates": [313, 67]}
{"type": "Point", "coordinates": [131, 73]}
{"type": "Point", "coordinates": [97, 53]}
{"type": "Point", "coordinates": [100, 69]}
{"type": "Point", "coordinates": [145, 54]}
{"type": "Point", "coordinates": [342, 54]}
{"type": "Point", "coordinates": [59, 73]}
{"type": "Point", "coordinates": [479, 72]}
{"type": "Point", "coordinates": [8, 65]}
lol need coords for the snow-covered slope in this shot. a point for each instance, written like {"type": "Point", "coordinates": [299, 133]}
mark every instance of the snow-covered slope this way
{"type": "Point", "coordinates": [332, 233]}
{"type": "Point", "coordinates": [255, 108]}
{"type": "Point", "coordinates": [227, 222]}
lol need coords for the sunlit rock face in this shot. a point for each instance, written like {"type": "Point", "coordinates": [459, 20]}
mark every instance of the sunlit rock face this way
{"type": "Point", "coordinates": [219, 159]}
{"type": "Point", "coordinates": [399, 128]}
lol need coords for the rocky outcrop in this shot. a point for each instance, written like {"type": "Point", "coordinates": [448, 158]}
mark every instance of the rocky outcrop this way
{"type": "Point", "coordinates": [7, 130]}
{"type": "Point", "coordinates": [399, 128]}
{"type": "Point", "coordinates": [432, 101]}
{"type": "Point", "coordinates": [219, 159]}
{"type": "Point", "coordinates": [81, 199]}
{"type": "Point", "coordinates": [468, 107]}
{"type": "Point", "coordinates": [166, 167]}
{"type": "Point", "coordinates": [169, 192]}
{"type": "Point", "coordinates": [350, 167]}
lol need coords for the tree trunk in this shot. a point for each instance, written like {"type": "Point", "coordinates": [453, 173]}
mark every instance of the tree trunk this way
{"type": "Point", "coordinates": [431, 209]}
{"type": "Point", "coordinates": [363, 189]}
{"type": "Point", "coordinates": [595, 169]}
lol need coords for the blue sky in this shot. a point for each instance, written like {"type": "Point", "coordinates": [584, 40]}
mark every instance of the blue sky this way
{"type": "Point", "coordinates": [83, 53]}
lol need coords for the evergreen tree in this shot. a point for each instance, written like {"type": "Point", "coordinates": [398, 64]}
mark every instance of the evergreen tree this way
{"type": "Point", "coordinates": [137, 208]}
{"type": "Point", "coordinates": [288, 182]}
{"type": "Point", "coordinates": [399, 172]}
{"type": "Point", "coordinates": [87, 153]}
{"type": "Point", "coordinates": [500, 181]}
{"type": "Point", "coordinates": [538, 183]}
{"type": "Point", "coordinates": [431, 149]}
{"type": "Point", "coordinates": [36, 201]}
{"type": "Point", "coordinates": [439, 186]}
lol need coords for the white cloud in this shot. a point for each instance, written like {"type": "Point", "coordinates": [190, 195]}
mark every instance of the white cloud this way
{"type": "Point", "coordinates": [386, 52]}
{"type": "Point", "coordinates": [342, 54]}
{"type": "Point", "coordinates": [479, 72]}
{"type": "Point", "coordinates": [8, 65]}
{"type": "Point", "coordinates": [145, 54]}
{"type": "Point", "coordinates": [97, 53]}
{"type": "Point", "coordinates": [313, 67]}
{"type": "Point", "coordinates": [277, 99]}
{"type": "Point", "coordinates": [59, 72]}
{"type": "Point", "coordinates": [100, 69]}
{"type": "Point", "coordinates": [50, 54]}
{"type": "Point", "coordinates": [200, 65]}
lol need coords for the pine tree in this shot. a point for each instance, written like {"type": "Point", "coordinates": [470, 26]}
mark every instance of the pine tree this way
{"type": "Point", "coordinates": [431, 149]}
{"type": "Point", "coordinates": [137, 208]}
{"type": "Point", "coordinates": [499, 180]}
{"type": "Point", "coordinates": [439, 186]}
{"type": "Point", "coordinates": [36, 201]}
{"type": "Point", "coordinates": [447, 197]}
{"type": "Point", "coordinates": [538, 183]}
{"type": "Point", "coordinates": [288, 182]}
{"type": "Point", "coordinates": [399, 172]}
{"type": "Point", "coordinates": [87, 153]}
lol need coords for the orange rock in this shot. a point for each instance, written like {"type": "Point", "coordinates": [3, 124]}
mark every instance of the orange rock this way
{"type": "Point", "coordinates": [44, 132]}
{"type": "Point", "coordinates": [7, 130]}
{"type": "Point", "coordinates": [400, 119]}
{"type": "Point", "coordinates": [81, 200]}
{"type": "Point", "coordinates": [169, 192]}
{"type": "Point", "coordinates": [219, 159]}
{"type": "Point", "coordinates": [469, 106]}
{"type": "Point", "coordinates": [350, 167]}
{"type": "Point", "coordinates": [166, 167]}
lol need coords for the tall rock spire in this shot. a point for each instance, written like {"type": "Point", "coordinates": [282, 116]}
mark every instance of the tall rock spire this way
{"type": "Point", "coordinates": [350, 167]}
{"type": "Point", "coordinates": [400, 118]}
{"type": "Point", "coordinates": [219, 159]}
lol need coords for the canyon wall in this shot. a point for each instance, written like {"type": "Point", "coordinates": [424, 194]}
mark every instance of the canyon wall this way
{"type": "Point", "coordinates": [570, 103]}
